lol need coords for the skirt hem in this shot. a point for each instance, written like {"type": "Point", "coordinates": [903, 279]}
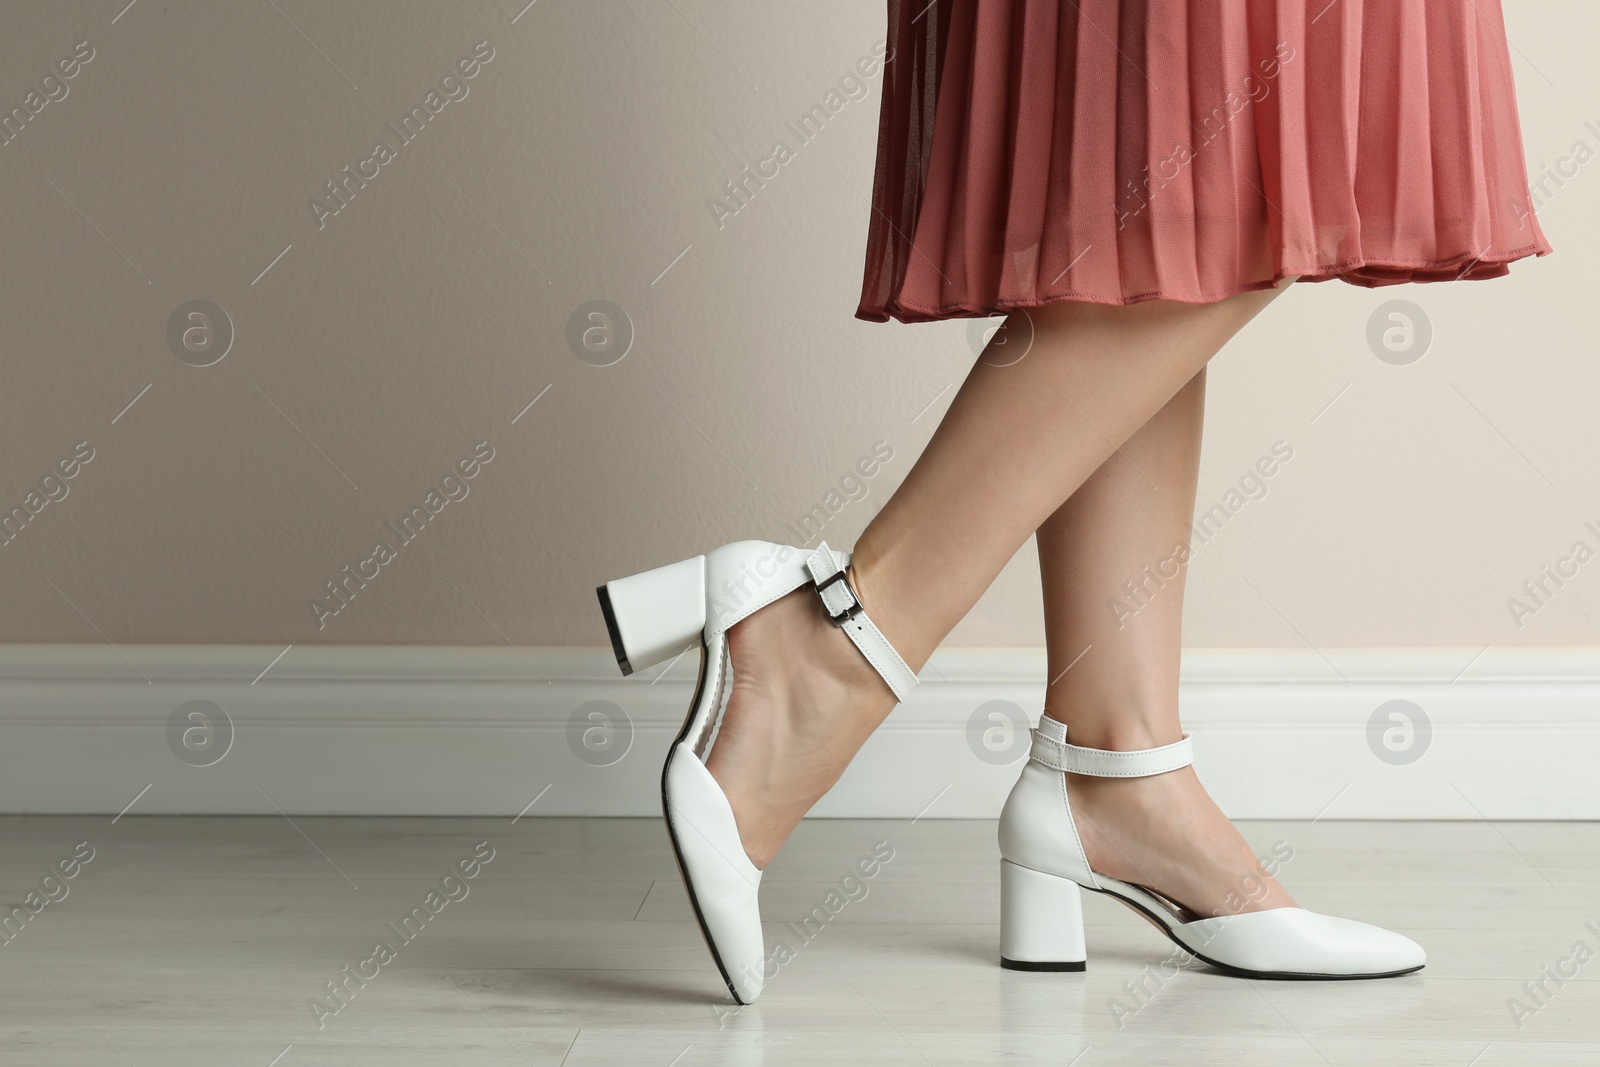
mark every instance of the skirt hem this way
{"type": "Point", "coordinates": [1366, 273]}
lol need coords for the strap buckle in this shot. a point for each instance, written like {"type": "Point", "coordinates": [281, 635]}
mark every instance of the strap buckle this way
{"type": "Point", "coordinates": [854, 608]}
{"type": "Point", "coordinates": [842, 605]}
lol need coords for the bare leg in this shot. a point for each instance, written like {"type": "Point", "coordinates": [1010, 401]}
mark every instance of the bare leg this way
{"type": "Point", "coordinates": [1016, 442]}
{"type": "Point", "coordinates": [1114, 670]}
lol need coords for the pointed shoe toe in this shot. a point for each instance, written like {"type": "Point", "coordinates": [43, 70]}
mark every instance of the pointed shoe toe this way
{"type": "Point", "coordinates": [1296, 943]}
{"type": "Point", "coordinates": [724, 886]}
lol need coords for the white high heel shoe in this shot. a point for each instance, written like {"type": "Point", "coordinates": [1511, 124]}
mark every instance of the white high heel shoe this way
{"type": "Point", "coordinates": [663, 612]}
{"type": "Point", "coordinates": [1043, 867]}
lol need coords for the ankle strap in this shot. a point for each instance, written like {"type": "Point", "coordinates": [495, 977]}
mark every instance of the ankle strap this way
{"type": "Point", "coordinates": [848, 613]}
{"type": "Point", "coordinates": [1051, 749]}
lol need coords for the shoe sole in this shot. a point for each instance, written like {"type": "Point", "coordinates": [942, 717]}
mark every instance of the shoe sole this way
{"type": "Point", "coordinates": [1031, 965]}
{"type": "Point", "coordinates": [617, 648]}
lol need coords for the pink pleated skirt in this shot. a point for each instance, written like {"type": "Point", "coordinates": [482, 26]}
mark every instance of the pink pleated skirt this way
{"type": "Point", "coordinates": [1032, 151]}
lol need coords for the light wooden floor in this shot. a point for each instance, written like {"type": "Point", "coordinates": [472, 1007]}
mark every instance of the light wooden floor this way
{"type": "Point", "coordinates": [201, 941]}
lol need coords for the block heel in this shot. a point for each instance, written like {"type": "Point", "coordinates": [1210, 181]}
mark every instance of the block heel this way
{"type": "Point", "coordinates": [1041, 921]}
{"type": "Point", "coordinates": [655, 614]}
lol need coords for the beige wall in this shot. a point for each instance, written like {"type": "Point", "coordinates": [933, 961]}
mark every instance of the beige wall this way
{"type": "Point", "coordinates": [381, 348]}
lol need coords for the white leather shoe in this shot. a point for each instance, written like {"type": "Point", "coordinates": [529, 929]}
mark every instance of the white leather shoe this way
{"type": "Point", "coordinates": [1043, 867]}
{"type": "Point", "coordinates": [663, 612]}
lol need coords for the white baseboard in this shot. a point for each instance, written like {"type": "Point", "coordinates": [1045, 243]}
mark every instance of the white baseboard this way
{"type": "Point", "coordinates": [476, 731]}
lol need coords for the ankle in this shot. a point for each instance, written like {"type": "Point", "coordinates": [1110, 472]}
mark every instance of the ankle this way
{"type": "Point", "coordinates": [876, 592]}
{"type": "Point", "coordinates": [1128, 729]}
{"type": "Point", "coordinates": [804, 655]}
{"type": "Point", "coordinates": [843, 663]}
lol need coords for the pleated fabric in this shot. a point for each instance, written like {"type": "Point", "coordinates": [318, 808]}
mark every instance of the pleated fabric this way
{"type": "Point", "coordinates": [1031, 151]}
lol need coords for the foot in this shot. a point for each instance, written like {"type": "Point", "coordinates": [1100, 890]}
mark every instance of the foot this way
{"type": "Point", "coordinates": [1165, 833]}
{"type": "Point", "coordinates": [804, 701]}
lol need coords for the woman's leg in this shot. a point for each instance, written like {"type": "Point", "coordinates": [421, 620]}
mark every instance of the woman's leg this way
{"type": "Point", "coordinates": [1016, 442]}
{"type": "Point", "coordinates": [1113, 560]}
